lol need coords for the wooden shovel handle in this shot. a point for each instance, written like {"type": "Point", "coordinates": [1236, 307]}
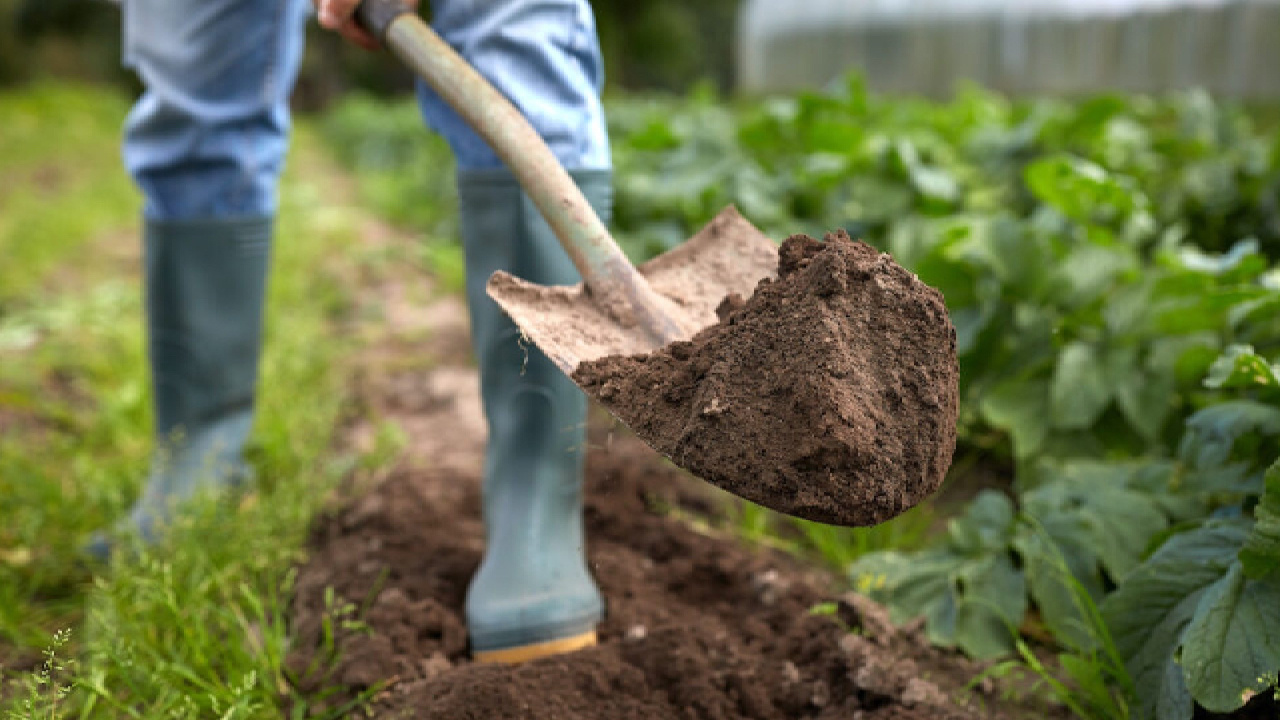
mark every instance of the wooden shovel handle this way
{"type": "Point", "coordinates": [609, 276]}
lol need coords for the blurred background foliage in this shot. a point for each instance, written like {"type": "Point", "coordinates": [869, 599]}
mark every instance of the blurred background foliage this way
{"type": "Point", "coordinates": [665, 45]}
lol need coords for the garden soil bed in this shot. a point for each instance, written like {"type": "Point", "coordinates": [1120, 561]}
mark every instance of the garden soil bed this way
{"type": "Point", "coordinates": [699, 625]}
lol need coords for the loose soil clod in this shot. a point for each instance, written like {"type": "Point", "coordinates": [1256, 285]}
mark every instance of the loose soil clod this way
{"type": "Point", "coordinates": [830, 394]}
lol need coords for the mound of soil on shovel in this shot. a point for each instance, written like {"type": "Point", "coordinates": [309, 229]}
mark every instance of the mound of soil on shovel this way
{"type": "Point", "coordinates": [830, 394]}
{"type": "Point", "coordinates": [698, 625]}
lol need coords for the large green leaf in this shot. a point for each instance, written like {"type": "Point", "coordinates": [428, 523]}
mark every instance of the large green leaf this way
{"type": "Point", "coordinates": [1145, 396]}
{"type": "Point", "coordinates": [1020, 260]}
{"type": "Point", "coordinates": [1089, 271]}
{"type": "Point", "coordinates": [1127, 308]}
{"type": "Point", "coordinates": [1083, 190]}
{"type": "Point", "coordinates": [1150, 611]}
{"type": "Point", "coordinates": [970, 602]}
{"type": "Point", "coordinates": [1231, 648]}
{"type": "Point", "coordinates": [1022, 409]}
{"type": "Point", "coordinates": [1080, 389]}
{"type": "Point", "coordinates": [986, 525]}
{"type": "Point", "coordinates": [970, 593]}
{"type": "Point", "coordinates": [1260, 555]}
{"type": "Point", "coordinates": [1213, 432]}
{"type": "Point", "coordinates": [1119, 521]}
{"type": "Point", "coordinates": [1206, 309]}
{"type": "Point", "coordinates": [1187, 357]}
{"type": "Point", "coordinates": [1241, 367]}
{"type": "Point", "coordinates": [1053, 555]}
{"type": "Point", "coordinates": [1083, 519]}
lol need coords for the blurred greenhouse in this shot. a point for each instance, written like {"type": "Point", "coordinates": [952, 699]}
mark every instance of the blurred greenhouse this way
{"type": "Point", "coordinates": [1228, 47]}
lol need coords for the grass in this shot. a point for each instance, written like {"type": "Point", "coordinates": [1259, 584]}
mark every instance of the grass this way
{"type": "Point", "coordinates": [1089, 677]}
{"type": "Point", "coordinates": [194, 628]}
{"type": "Point", "coordinates": [60, 145]}
{"type": "Point", "coordinates": [835, 547]}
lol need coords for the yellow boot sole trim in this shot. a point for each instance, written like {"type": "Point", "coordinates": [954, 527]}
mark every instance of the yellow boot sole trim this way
{"type": "Point", "coordinates": [525, 653]}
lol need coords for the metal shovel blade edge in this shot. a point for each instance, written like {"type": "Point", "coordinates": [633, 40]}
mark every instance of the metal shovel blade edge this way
{"type": "Point", "coordinates": [729, 255]}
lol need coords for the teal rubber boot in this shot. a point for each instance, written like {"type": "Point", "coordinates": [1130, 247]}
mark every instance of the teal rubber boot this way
{"type": "Point", "coordinates": [205, 292]}
{"type": "Point", "coordinates": [533, 595]}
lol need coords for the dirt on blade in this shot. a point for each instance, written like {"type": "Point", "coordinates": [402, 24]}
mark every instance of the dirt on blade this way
{"type": "Point", "coordinates": [830, 394]}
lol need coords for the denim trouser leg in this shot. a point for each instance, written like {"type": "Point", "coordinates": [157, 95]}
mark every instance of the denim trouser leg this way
{"type": "Point", "coordinates": [545, 57]}
{"type": "Point", "coordinates": [205, 144]}
{"type": "Point", "coordinates": [208, 138]}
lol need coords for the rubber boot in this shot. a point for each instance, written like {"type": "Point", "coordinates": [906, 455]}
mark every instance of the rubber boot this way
{"type": "Point", "coordinates": [205, 291]}
{"type": "Point", "coordinates": [532, 595]}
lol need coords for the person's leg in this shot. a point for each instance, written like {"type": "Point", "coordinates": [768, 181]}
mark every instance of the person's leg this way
{"type": "Point", "coordinates": [544, 56]}
{"type": "Point", "coordinates": [532, 595]}
{"type": "Point", "coordinates": [206, 143]}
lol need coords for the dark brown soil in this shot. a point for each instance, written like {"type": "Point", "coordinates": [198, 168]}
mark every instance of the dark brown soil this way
{"type": "Point", "coordinates": [698, 625]}
{"type": "Point", "coordinates": [830, 394]}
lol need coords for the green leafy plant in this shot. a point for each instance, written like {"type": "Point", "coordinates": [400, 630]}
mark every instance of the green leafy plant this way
{"type": "Point", "coordinates": [1181, 555]}
{"type": "Point", "coordinates": [1109, 267]}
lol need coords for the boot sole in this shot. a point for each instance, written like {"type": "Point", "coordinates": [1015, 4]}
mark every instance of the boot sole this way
{"type": "Point", "coordinates": [525, 653]}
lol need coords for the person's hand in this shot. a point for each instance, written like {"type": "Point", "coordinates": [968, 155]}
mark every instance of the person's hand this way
{"type": "Point", "coordinates": [339, 15]}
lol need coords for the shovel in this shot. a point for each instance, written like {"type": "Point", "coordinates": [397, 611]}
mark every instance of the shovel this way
{"type": "Point", "coordinates": [853, 421]}
{"type": "Point", "coordinates": [617, 309]}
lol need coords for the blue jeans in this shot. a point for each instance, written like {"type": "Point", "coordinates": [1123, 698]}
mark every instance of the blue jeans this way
{"type": "Point", "coordinates": [208, 137]}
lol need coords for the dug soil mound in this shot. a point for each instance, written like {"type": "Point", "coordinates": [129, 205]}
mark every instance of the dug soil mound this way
{"type": "Point", "coordinates": [830, 394]}
{"type": "Point", "coordinates": [698, 625]}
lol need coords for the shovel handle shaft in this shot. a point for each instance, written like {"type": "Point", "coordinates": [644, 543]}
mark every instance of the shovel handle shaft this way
{"type": "Point", "coordinates": [609, 276]}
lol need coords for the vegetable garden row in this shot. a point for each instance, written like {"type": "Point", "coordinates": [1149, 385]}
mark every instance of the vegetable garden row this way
{"type": "Point", "coordinates": [1109, 265]}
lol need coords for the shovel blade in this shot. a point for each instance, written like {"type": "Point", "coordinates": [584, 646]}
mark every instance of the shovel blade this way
{"type": "Point", "coordinates": [728, 256]}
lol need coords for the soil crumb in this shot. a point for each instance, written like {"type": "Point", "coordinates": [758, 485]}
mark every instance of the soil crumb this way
{"type": "Point", "coordinates": [830, 394]}
{"type": "Point", "coordinates": [698, 625]}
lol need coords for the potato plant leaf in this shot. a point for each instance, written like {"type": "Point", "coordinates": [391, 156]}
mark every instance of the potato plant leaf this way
{"type": "Point", "coordinates": [1212, 433]}
{"type": "Point", "coordinates": [969, 592]}
{"type": "Point", "coordinates": [1052, 554]}
{"type": "Point", "coordinates": [1082, 190]}
{"type": "Point", "coordinates": [1150, 612]}
{"type": "Point", "coordinates": [1241, 367]}
{"type": "Point", "coordinates": [1144, 396]}
{"type": "Point", "coordinates": [1080, 389]}
{"type": "Point", "coordinates": [1021, 408]}
{"type": "Point", "coordinates": [1119, 521]}
{"type": "Point", "coordinates": [1089, 271]}
{"type": "Point", "coordinates": [1084, 519]}
{"type": "Point", "coordinates": [1260, 555]}
{"type": "Point", "coordinates": [1232, 644]}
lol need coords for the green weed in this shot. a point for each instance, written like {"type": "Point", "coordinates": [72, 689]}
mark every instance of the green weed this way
{"type": "Point", "coordinates": [833, 546]}
{"type": "Point", "coordinates": [194, 627]}
{"type": "Point", "coordinates": [45, 690]}
{"type": "Point", "coordinates": [1090, 677]}
{"type": "Point", "coordinates": [60, 145]}
{"type": "Point", "coordinates": [839, 547]}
